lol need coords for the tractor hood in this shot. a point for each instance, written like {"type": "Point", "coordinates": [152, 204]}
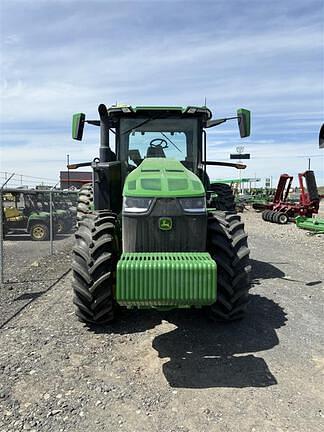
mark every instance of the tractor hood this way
{"type": "Point", "coordinates": [163, 178]}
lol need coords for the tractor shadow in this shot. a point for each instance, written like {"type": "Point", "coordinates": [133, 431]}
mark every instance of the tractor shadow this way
{"type": "Point", "coordinates": [264, 270]}
{"type": "Point", "coordinates": [204, 354]}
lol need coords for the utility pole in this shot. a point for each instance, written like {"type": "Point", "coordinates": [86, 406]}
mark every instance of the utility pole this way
{"type": "Point", "coordinates": [68, 164]}
{"type": "Point", "coordinates": [240, 150]}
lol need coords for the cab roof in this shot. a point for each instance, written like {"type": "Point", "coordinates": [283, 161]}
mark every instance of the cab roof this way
{"type": "Point", "coordinates": [188, 111]}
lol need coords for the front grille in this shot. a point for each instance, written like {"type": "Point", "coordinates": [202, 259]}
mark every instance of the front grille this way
{"type": "Point", "coordinates": [141, 233]}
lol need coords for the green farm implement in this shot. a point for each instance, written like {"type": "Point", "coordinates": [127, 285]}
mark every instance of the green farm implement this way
{"type": "Point", "coordinates": [311, 224]}
{"type": "Point", "coordinates": [153, 232]}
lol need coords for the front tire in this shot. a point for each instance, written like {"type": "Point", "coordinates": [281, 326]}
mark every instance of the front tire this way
{"type": "Point", "coordinates": [39, 231]}
{"type": "Point", "coordinates": [95, 256]}
{"type": "Point", "coordinates": [227, 245]}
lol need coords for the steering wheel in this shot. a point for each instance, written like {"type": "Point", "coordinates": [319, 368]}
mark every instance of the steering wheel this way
{"type": "Point", "coordinates": [160, 142]}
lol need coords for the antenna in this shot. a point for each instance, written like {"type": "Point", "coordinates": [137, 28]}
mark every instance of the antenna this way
{"type": "Point", "coordinates": [205, 101]}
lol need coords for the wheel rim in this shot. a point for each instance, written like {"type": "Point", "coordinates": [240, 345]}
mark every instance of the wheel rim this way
{"type": "Point", "coordinates": [59, 227]}
{"type": "Point", "coordinates": [283, 219]}
{"type": "Point", "coordinates": [38, 232]}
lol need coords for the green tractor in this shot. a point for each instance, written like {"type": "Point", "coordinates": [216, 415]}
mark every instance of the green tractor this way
{"type": "Point", "coordinates": [21, 214]}
{"type": "Point", "coordinates": [151, 233]}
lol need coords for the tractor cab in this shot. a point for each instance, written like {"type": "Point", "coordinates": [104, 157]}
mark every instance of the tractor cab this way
{"type": "Point", "coordinates": [160, 133]}
{"type": "Point", "coordinates": [141, 133]}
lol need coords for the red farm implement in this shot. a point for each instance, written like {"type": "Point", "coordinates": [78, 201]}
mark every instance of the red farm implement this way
{"type": "Point", "coordinates": [281, 209]}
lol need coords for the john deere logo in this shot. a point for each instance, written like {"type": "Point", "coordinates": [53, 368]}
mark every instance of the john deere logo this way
{"type": "Point", "coordinates": [165, 224]}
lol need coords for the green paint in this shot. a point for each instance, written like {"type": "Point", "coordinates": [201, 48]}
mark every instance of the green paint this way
{"type": "Point", "coordinates": [77, 126]}
{"type": "Point", "coordinates": [311, 224]}
{"type": "Point", "coordinates": [244, 122]}
{"type": "Point", "coordinates": [166, 279]}
{"type": "Point", "coordinates": [162, 178]}
{"type": "Point", "coordinates": [41, 216]}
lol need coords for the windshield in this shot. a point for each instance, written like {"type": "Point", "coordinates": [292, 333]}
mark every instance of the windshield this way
{"type": "Point", "coordinates": [171, 138]}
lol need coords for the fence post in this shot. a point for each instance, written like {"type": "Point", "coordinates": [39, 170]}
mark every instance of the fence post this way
{"type": "Point", "coordinates": [51, 219]}
{"type": "Point", "coordinates": [51, 222]}
{"type": "Point", "coordinates": [2, 229]}
{"type": "Point", "coordinates": [1, 238]}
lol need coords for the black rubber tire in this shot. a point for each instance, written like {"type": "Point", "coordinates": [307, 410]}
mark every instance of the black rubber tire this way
{"type": "Point", "coordinates": [60, 226]}
{"type": "Point", "coordinates": [4, 231]}
{"type": "Point", "coordinates": [269, 216]}
{"type": "Point", "coordinates": [239, 208]}
{"type": "Point", "coordinates": [272, 216]}
{"type": "Point", "coordinates": [225, 200]}
{"type": "Point", "coordinates": [67, 226]}
{"type": "Point", "coordinates": [227, 245]}
{"type": "Point", "coordinates": [38, 226]}
{"type": "Point", "coordinates": [95, 256]}
{"type": "Point", "coordinates": [276, 217]}
{"type": "Point", "coordinates": [85, 201]}
{"type": "Point", "coordinates": [265, 214]}
{"type": "Point", "coordinates": [282, 218]}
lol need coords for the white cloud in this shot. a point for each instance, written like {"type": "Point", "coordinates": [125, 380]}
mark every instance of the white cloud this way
{"type": "Point", "coordinates": [60, 59]}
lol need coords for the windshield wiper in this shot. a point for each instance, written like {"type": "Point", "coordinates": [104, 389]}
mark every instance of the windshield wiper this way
{"type": "Point", "coordinates": [165, 136]}
{"type": "Point", "coordinates": [141, 124]}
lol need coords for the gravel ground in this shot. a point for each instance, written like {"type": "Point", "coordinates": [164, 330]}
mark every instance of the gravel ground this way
{"type": "Point", "coordinates": [175, 371]}
{"type": "Point", "coordinates": [20, 252]}
{"type": "Point", "coordinates": [29, 271]}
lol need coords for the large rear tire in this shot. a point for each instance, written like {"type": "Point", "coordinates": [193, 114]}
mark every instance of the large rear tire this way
{"type": "Point", "coordinates": [85, 201]}
{"type": "Point", "coordinates": [95, 256]}
{"type": "Point", "coordinates": [224, 200]}
{"type": "Point", "coordinates": [227, 245]}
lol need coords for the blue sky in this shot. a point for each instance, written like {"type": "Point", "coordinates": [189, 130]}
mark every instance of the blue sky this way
{"type": "Point", "coordinates": [60, 57]}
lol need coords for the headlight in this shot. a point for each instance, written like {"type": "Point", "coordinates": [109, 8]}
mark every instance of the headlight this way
{"type": "Point", "coordinates": [136, 205]}
{"type": "Point", "coordinates": [193, 205]}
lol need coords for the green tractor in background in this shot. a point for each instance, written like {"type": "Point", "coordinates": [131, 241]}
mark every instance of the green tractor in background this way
{"type": "Point", "coordinates": [153, 231]}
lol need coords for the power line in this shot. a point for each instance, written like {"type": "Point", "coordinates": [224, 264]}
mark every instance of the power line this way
{"type": "Point", "coordinates": [28, 176]}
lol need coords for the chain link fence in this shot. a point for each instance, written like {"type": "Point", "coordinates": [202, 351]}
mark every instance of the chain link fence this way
{"type": "Point", "coordinates": [36, 221]}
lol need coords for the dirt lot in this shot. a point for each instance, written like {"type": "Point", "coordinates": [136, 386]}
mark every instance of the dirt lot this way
{"type": "Point", "coordinates": [21, 251]}
{"type": "Point", "coordinates": [173, 371]}
{"type": "Point", "coordinates": [29, 271]}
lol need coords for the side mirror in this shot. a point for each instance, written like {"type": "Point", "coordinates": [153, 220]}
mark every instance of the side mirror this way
{"type": "Point", "coordinates": [78, 126]}
{"type": "Point", "coordinates": [244, 122]}
{"type": "Point", "coordinates": [321, 137]}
